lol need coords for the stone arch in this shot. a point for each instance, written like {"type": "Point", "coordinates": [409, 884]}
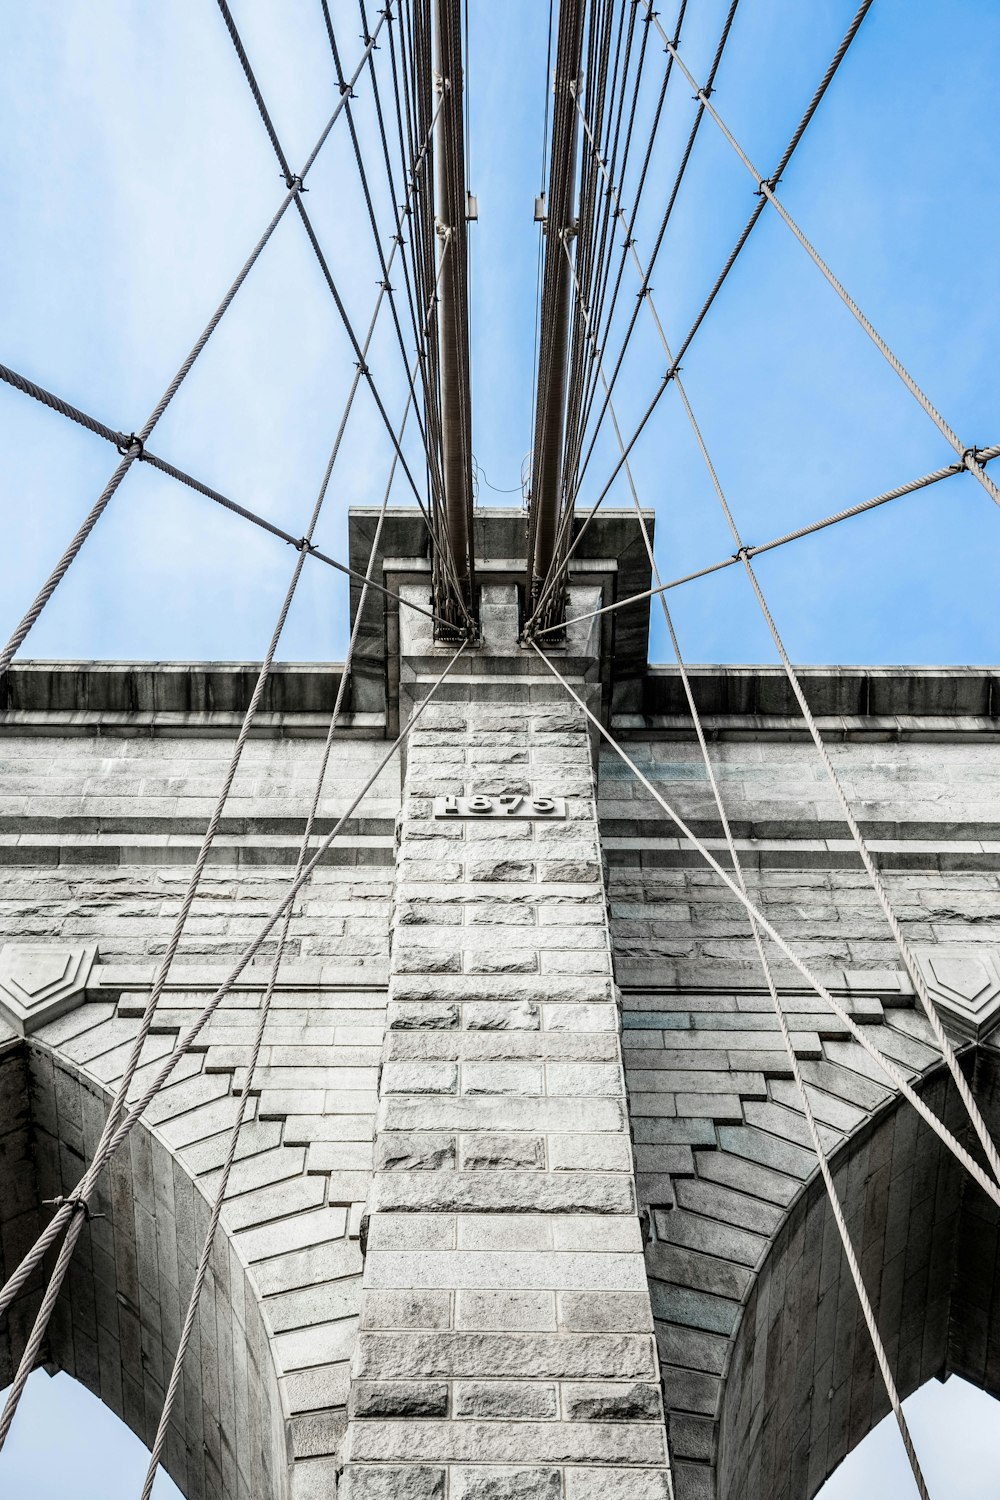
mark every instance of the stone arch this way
{"type": "Point", "coordinates": [116, 1325]}
{"type": "Point", "coordinates": [802, 1387]}
{"type": "Point", "coordinates": [768, 1373]}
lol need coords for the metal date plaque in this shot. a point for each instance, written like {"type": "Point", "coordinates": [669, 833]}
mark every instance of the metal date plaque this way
{"type": "Point", "coordinates": [506, 805]}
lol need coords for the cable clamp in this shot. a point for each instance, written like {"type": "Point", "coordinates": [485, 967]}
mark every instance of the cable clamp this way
{"type": "Point", "coordinates": [764, 187]}
{"type": "Point", "coordinates": [293, 182]}
{"type": "Point", "coordinates": [360, 365]}
{"type": "Point", "coordinates": [128, 443]}
{"type": "Point", "coordinates": [742, 554]}
{"type": "Point", "coordinates": [345, 88]}
{"type": "Point", "coordinates": [968, 453]}
{"type": "Point", "coordinates": [77, 1204]}
{"type": "Point", "coordinates": [304, 545]}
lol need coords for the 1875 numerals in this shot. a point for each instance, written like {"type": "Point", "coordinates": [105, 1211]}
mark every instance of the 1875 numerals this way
{"type": "Point", "coordinates": [508, 805]}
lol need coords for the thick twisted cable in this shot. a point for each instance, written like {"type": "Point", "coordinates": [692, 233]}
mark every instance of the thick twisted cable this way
{"type": "Point", "coordinates": [887, 1066]}
{"type": "Point", "coordinates": [173, 1386]}
{"type": "Point", "coordinates": [796, 138]}
{"type": "Point", "coordinates": [834, 1198]}
{"type": "Point", "coordinates": [965, 453]}
{"type": "Point", "coordinates": [949, 471]}
{"type": "Point", "coordinates": [874, 875]}
{"type": "Point", "coordinates": [50, 1234]}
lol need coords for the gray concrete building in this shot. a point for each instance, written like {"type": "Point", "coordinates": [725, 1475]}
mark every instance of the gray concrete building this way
{"type": "Point", "coordinates": [525, 1204]}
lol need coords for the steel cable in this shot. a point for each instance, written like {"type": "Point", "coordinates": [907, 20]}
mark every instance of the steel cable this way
{"type": "Point", "coordinates": [689, 337]}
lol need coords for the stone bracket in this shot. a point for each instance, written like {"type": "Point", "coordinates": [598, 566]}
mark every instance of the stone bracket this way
{"type": "Point", "coordinates": [41, 981]}
{"type": "Point", "coordinates": [964, 983]}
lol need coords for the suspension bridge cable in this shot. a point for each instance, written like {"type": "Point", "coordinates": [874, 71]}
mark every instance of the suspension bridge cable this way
{"type": "Point", "coordinates": [949, 471]}
{"type": "Point", "coordinates": [689, 337]}
{"type": "Point", "coordinates": [793, 1061]}
{"type": "Point", "coordinates": [86, 1186]}
{"type": "Point", "coordinates": [667, 213]}
{"type": "Point", "coordinates": [878, 884]}
{"type": "Point", "coordinates": [69, 1209]}
{"type": "Point", "coordinates": [369, 202]}
{"type": "Point", "coordinates": [156, 1450]}
{"type": "Point", "coordinates": [965, 453]}
{"type": "Point", "coordinates": [295, 188]}
{"type": "Point", "coordinates": [886, 1064]}
{"type": "Point", "coordinates": [307, 224]}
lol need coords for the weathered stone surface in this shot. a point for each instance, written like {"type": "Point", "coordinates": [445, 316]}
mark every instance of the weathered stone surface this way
{"type": "Point", "coordinates": [504, 1248]}
{"type": "Point", "coordinates": [387, 1398]}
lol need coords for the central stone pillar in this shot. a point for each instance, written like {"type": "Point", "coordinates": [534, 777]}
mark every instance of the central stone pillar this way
{"type": "Point", "coordinates": [506, 1348]}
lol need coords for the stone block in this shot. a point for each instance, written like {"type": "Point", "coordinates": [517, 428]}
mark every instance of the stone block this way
{"type": "Point", "coordinates": [483, 1152]}
{"type": "Point", "coordinates": [508, 1400]}
{"type": "Point", "coordinates": [608, 1401]}
{"type": "Point", "coordinates": [492, 1310]}
{"type": "Point", "coordinates": [388, 1398]}
{"type": "Point", "coordinates": [490, 1483]}
{"type": "Point", "coordinates": [386, 1482]}
{"type": "Point", "coordinates": [500, 1015]}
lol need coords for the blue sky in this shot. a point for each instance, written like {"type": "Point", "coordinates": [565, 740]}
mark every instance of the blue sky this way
{"type": "Point", "coordinates": [135, 176]}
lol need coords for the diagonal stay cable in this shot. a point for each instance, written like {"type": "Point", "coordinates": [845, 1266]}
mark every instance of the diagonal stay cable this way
{"type": "Point", "coordinates": [689, 337]}
{"type": "Point", "coordinates": [878, 884]}
{"type": "Point", "coordinates": [834, 1198]}
{"type": "Point", "coordinates": [780, 1016]}
{"type": "Point", "coordinates": [864, 853]}
{"type": "Point", "coordinates": [156, 1450]}
{"type": "Point", "coordinates": [369, 582]}
{"type": "Point", "coordinates": [966, 454]}
{"type": "Point", "coordinates": [120, 440]}
{"type": "Point", "coordinates": [83, 1193]}
{"type": "Point", "coordinates": [949, 471]}
{"type": "Point", "coordinates": [886, 1064]}
{"type": "Point", "coordinates": [363, 368]}
{"type": "Point", "coordinates": [71, 1207]}
{"type": "Point", "coordinates": [138, 441]}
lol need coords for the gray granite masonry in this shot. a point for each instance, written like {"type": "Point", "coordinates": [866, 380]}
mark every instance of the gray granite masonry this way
{"type": "Point", "coordinates": [524, 1204]}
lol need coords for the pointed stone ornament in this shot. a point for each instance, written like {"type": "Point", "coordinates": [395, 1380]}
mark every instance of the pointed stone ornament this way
{"type": "Point", "coordinates": [964, 984]}
{"type": "Point", "coordinates": [40, 981]}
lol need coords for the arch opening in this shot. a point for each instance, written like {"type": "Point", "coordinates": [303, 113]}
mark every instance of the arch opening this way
{"type": "Point", "coordinates": [66, 1441]}
{"type": "Point", "coordinates": [802, 1388]}
{"type": "Point", "coordinates": [958, 1439]}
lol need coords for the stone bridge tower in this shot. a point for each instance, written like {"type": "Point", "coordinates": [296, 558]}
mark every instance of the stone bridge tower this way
{"type": "Point", "coordinates": [524, 1206]}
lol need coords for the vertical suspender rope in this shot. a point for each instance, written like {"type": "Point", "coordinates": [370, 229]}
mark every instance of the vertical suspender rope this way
{"type": "Point", "coordinates": [878, 884]}
{"type": "Point", "coordinates": [834, 1198]}
{"type": "Point", "coordinates": [156, 1451]}
{"type": "Point", "coordinates": [790, 149]}
{"type": "Point", "coordinates": [888, 1067]}
{"type": "Point", "coordinates": [967, 455]}
{"type": "Point", "coordinates": [48, 1236]}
